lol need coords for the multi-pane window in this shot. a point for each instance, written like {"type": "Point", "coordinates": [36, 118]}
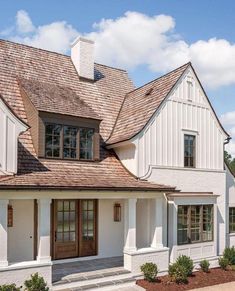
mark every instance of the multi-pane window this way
{"type": "Point", "coordinates": [66, 221]}
{"type": "Point", "coordinates": [88, 219]}
{"type": "Point", "coordinates": [86, 143]}
{"type": "Point", "coordinates": [195, 223]}
{"type": "Point", "coordinates": [231, 219]}
{"type": "Point", "coordinates": [53, 133]}
{"type": "Point", "coordinates": [189, 150]}
{"type": "Point", "coordinates": [68, 142]}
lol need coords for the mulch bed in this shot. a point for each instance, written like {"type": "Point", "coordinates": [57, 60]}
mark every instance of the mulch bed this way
{"type": "Point", "coordinates": [197, 280]}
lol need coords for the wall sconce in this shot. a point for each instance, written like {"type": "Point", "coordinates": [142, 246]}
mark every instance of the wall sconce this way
{"type": "Point", "coordinates": [117, 212]}
{"type": "Point", "coordinates": [10, 216]}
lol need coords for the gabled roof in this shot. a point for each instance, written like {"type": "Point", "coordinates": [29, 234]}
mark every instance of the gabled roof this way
{"type": "Point", "coordinates": [140, 104]}
{"type": "Point", "coordinates": [53, 98]}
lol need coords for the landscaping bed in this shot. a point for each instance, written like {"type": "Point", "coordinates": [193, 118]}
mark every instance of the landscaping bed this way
{"type": "Point", "coordinates": [196, 280]}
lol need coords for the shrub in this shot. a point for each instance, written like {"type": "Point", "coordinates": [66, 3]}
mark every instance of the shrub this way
{"type": "Point", "coordinates": [150, 271]}
{"type": "Point", "coordinates": [205, 266]}
{"type": "Point", "coordinates": [223, 262]}
{"type": "Point", "coordinates": [36, 283]}
{"type": "Point", "coordinates": [178, 273]}
{"type": "Point", "coordinates": [11, 287]}
{"type": "Point", "coordinates": [187, 263]}
{"type": "Point", "coordinates": [229, 254]}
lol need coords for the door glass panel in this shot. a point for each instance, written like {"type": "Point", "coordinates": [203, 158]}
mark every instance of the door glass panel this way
{"type": "Point", "coordinates": [90, 205]}
{"type": "Point", "coordinates": [90, 215]}
{"type": "Point", "coordinates": [88, 219]}
{"type": "Point", "coordinates": [66, 221]}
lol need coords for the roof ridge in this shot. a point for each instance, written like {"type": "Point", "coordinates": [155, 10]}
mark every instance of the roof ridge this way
{"type": "Point", "coordinates": [162, 76]}
{"type": "Point", "coordinates": [53, 52]}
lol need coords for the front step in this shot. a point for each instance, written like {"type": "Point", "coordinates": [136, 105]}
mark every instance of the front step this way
{"type": "Point", "coordinates": [106, 279]}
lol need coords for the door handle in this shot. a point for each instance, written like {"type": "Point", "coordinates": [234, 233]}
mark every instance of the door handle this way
{"type": "Point", "coordinates": [55, 235]}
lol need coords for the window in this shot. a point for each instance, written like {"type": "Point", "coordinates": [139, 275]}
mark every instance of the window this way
{"type": "Point", "coordinates": [53, 133]}
{"type": "Point", "coordinates": [70, 142]}
{"type": "Point", "coordinates": [62, 141]}
{"type": "Point", "coordinates": [86, 143]}
{"type": "Point", "coordinates": [195, 223]}
{"type": "Point", "coordinates": [189, 151]}
{"type": "Point", "coordinates": [231, 219]}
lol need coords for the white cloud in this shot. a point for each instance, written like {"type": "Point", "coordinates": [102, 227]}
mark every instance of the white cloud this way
{"type": "Point", "coordinates": [23, 22]}
{"type": "Point", "coordinates": [228, 118]}
{"type": "Point", "coordinates": [136, 39]}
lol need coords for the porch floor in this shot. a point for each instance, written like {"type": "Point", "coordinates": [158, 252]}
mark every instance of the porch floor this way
{"type": "Point", "coordinates": [82, 270]}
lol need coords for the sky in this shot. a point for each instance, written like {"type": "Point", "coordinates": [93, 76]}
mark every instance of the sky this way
{"type": "Point", "coordinates": [148, 38]}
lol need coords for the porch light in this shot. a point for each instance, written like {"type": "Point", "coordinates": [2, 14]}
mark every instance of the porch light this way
{"type": "Point", "coordinates": [117, 212]}
{"type": "Point", "coordinates": [10, 216]}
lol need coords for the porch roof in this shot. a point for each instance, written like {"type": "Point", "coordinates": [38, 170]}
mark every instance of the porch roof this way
{"type": "Point", "coordinates": [191, 194]}
{"type": "Point", "coordinates": [107, 174]}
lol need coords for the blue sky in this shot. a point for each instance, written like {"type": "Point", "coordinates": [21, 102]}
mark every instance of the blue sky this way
{"type": "Point", "coordinates": [152, 38]}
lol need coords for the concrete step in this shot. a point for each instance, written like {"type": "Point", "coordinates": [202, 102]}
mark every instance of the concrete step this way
{"type": "Point", "coordinates": [106, 280]}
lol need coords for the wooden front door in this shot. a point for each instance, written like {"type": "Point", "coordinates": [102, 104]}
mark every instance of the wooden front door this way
{"type": "Point", "coordinates": [65, 229]}
{"type": "Point", "coordinates": [74, 228]}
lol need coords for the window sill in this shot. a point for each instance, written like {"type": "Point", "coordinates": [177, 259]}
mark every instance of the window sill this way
{"type": "Point", "coordinates": [195, 243]}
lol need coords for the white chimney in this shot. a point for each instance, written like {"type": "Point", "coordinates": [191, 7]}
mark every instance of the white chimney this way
{"type": "Point", "coordinates": [82, 55]}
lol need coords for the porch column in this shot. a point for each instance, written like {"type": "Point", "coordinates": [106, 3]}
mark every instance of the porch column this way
{"type": "Point", "coordinates": [3, 232]}
{"type": "Point", "coordinates": [130, 224]}
{"type": "Point", "coordinates": [44, 229]}
{"type": "Point", "coordinates": [157, 241]}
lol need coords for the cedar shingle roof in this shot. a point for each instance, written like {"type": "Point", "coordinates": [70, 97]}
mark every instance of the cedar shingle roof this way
{"type": "Point", "coordinates": [140, 104]}
{"type": "Point", "coordinates": [56, 99]}
{"type": "Point", "coordinates": [103, 98]}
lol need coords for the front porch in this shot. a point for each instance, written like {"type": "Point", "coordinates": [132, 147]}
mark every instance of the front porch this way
{"type": "Point", "coordinates": [29, 243]}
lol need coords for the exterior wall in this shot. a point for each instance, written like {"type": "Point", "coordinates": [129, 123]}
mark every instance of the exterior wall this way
{"type": "Point", "coordinates": [143, 223]}
{"type": "Point", "coordinates": [128, 155]}
{"type": "Point", "coordinates": [230, 192]}
{"type": "Point", "coordinates": [10, 128]}
{"type": "Point", "coordinates": [110, 233]}
{"type": "Point", "coordinates": [21, 235]}
{"type": "Point", "coordinates": [18, 274]}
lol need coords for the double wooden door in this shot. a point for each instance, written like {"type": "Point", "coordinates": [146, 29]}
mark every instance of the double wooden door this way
{"type": "Point", "coordinates": [74, 227]}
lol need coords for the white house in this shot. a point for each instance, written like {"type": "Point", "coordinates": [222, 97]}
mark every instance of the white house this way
{"type": "Point", "coordinates": [103, 170]}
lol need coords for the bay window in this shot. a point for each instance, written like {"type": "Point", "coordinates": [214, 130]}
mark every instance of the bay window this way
{"type": "Point", "coordinates": [195, 223]}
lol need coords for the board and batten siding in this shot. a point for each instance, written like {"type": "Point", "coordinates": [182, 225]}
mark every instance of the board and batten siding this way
{"type": "Point", "coordinates": [161, 142]}
{"type": "Point", "coordinates": [10, 128]}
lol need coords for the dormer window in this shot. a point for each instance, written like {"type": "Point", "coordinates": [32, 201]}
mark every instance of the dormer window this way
{"type": "Point", "coordinates": [68, 142]}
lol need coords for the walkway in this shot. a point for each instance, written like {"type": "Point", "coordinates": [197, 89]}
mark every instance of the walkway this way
{"type": "Point", "coordinates": [221, 287]}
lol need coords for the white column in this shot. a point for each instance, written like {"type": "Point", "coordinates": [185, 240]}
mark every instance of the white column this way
{"type": "Point", "coordinates": [157, 241]}
{"type": "Point", "coordinates": [130, 224]}
{"type": "Point", "coordinates": [3, 232]}
{"type": "Point", "coordinates": [44, 229]}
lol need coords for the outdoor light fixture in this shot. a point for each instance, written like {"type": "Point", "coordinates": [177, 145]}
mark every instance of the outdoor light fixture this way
{"type": "Point", "coordinates": [117, 212]}
{"type": "Point", "coordinates": [10, 216]}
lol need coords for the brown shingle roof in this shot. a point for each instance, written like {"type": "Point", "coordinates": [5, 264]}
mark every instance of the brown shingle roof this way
{"type": "Point", "coordinates": [104, 97]}
{"type": "Point", "coordinates": [56, 99]}
{"type": "Point", "coordinates": [140, 104]}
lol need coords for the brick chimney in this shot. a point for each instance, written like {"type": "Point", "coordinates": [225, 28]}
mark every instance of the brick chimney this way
{"type": "Point", "coordinates": [82, 55]}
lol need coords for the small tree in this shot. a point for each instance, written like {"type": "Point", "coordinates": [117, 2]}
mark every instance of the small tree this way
{"type": "Point", "coordinates": [11, 287]}
{"type": "Point", "coordinates": [36, 283]}
{"type": "Point", "coordinates": [187, 263]}
{"type": "Point", "coordinates": [205, 266]}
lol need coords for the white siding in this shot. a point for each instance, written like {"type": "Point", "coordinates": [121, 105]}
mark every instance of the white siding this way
{"type": "Point", "coordinates": [161, 143]}
{"type": "Point", "coordinates": [10, 128]}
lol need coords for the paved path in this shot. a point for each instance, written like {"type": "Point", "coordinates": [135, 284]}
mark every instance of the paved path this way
{"type": "Point", "coordinates": [221, 287]}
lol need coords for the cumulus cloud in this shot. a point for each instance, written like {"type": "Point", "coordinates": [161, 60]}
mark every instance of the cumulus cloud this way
{"type": "Point", "coordinates": [136, 39]}
{"type": "Point", "coordinates": [23, 22]}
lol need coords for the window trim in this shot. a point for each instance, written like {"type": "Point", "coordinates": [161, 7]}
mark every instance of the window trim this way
{"type": "Point", "coordinates": [231, 208]}
{"type": "Point", "coordinates": [61, 156]}
{"type": "Point", "coordinates": [201, 224]}
{"type": "Point", "coordinates": [188, 133]}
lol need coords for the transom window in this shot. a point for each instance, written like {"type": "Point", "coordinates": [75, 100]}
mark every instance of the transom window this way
{"type": "Point", "coordinates": [194, 223]}
{"type": "Point", "coordinates": [68, 142]}
{"type": "Point", "coordinates": [231, 219]}
{"type": "Point", "coordinates": [189, 150]}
